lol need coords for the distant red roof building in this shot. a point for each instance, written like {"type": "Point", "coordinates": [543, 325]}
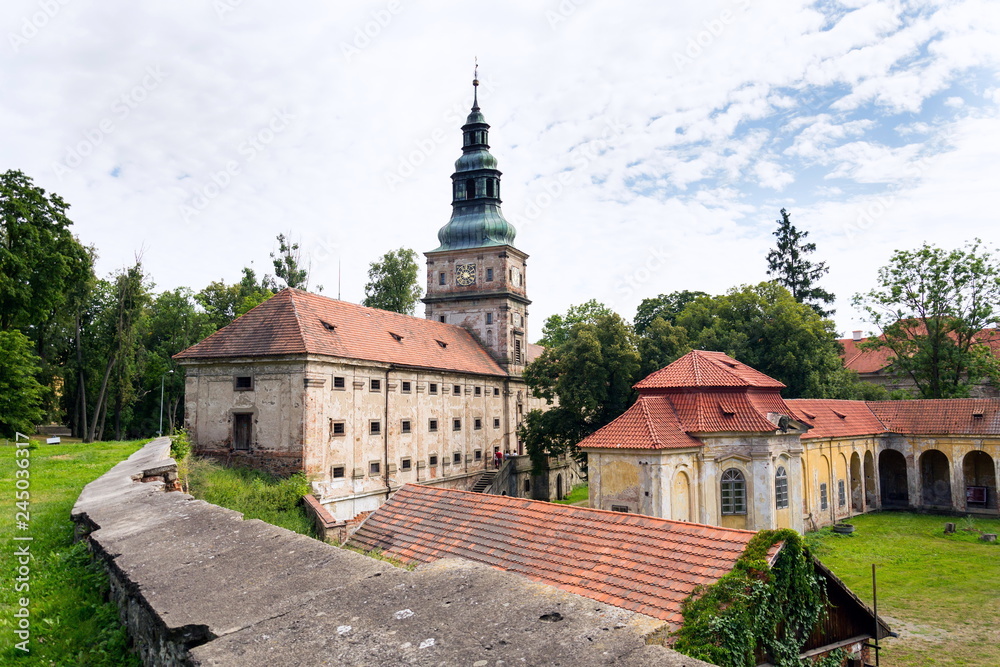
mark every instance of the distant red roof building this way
{"type": "Point", "coordinates": [297, 322]}
{"type": "Point", "coordinates": [928, 417]}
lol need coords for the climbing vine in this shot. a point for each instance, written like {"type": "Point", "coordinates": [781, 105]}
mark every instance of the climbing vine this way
{"type": "Point", "coordinates": [756, 608]}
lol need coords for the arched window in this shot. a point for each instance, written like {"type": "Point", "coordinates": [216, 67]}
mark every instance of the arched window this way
{"type": "Point", "coordinates": [734, 492]}
{"type": "Point", "coordinates": [781, 488]}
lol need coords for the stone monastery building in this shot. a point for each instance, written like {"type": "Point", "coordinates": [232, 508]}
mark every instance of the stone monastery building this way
{"type": "Point", "coordinates": [710, 440]}
{"type": "Point", "coordinates": [365, 400]}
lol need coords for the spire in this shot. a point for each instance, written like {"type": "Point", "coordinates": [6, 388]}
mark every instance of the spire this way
{"type": "Point", "coordinates": [476, 218]}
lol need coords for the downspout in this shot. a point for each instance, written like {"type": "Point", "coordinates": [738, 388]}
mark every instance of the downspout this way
{"type": "Point", "coordinates": [385, 435]}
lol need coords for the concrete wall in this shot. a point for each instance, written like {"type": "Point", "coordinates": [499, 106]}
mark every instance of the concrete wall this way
{"type": "Point", "coordinates": [197, 585]}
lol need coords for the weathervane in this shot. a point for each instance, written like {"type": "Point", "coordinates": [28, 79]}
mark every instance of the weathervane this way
{"type": "Point", "coordinates": [475, 85]}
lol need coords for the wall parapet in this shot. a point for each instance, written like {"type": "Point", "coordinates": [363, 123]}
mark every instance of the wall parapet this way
{"type": "Point", "coordinates": [196, 584]}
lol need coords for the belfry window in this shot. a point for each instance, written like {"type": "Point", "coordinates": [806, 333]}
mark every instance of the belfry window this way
{"type": "Point", "coordinates": [734, 492]}
{"type": "Point", "coordinates": [489, 187]}
{"type": "Point", "coordinates": [470, 189]}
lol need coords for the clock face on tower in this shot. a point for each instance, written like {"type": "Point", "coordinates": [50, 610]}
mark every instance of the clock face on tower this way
{"type": "Point", "coordinates": [465, 274]}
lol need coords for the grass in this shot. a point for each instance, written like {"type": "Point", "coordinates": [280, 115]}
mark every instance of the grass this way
{"type": "Point", "coordinates": [940, 592]}
{"type": "Point", "coordinates": [257, 494]}
{"type": "Point", "coordinates": [577, 494]}
{"type": "Point", "coordinates": [71, 623]}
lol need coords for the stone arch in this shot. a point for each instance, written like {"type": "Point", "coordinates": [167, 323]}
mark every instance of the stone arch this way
{"type": "Point", "coordinates": [980, 471]}
{"type": "Point", "coordinates": [841, 484]}
{"type": "Point", "coordinates": [857, 494]}
{"type": "Point", "coordinates": [935, 479]}
{"type": "Point", "coordinates": [824, 494]}
{"type": "Point", "coordinates": [892, 479]}
{"type": "Point", "coordinates": [680, 497]}
{"type": "Point", "coordinates": [870, 493]}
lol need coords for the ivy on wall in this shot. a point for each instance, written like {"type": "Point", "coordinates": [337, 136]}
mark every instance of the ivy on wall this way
{"type": "Point", "coordinates": [757, 607]}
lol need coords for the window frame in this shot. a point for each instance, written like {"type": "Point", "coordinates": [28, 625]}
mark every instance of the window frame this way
{"type": "Point", "coordinates": [343, 429]}
{"type": "Point", "coordinates": [456, 424]}
{"type": "Point", "coordinates": [733, 493]}
{"type": "Point", "coordinates": [406, 426]}
{"type": "Point", "coordinates": [249, 386]}
{"type": "Point", "coordinates": [342, 380]}
{"type": "Point", "coordinates": [375, 385]}
{"type": "Point", "coordinates": [781, 488]}
{"type": "Point", "coordinates": [432, 425]}
{"type": "Point", "coordinates": [375, 427]}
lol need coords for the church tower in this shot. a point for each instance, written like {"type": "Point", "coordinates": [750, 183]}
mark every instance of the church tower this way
{"type": "Point", "coordinates": [476, 277]}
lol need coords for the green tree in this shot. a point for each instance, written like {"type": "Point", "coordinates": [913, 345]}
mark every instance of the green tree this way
{"type": "Point", "coordinates": [931, 306]}
{"type": "Point", "coordinates": [661, 343]}
{"type": "Point", "coordinates": [557, 328]}
{"type": "Point", "coordinates": [788, 263]}
{"type": "Point", "coordinates": [664, 306]}
{"type": "Point", "coordinates": [591, 372]}
{"type": "Point", "coordinates": [392, 282]}
{"type": "Point", "coordinates": [288, 264]}
{"type": "Point", "coordinates": [765, 327]}
{"type": "Point", "coordinates": [21, 394]}
{"type": "Point", "coordinates": [224, 303]}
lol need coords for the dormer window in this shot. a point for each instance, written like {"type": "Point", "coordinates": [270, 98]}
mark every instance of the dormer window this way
{"type": "Point", "coordinates": [328, 326]}
{"type": "Point", "coordinates": [396, 337]}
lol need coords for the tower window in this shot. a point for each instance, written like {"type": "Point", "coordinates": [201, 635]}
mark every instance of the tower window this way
{"type": "Point", "coordinates": [441, 278]}
{"type": "Point", "coordinates": [489, 318]}
{"type": "Point", "coordinates": [489, 187]}
{"type": "Point", "coordinates": [470, 189]}
{"type": "Point", "coordinates": [489, 275]}
{"type": "Point", "coordinates": [517, 351]}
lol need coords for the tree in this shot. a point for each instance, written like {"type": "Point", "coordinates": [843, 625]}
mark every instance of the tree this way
{"type": "Point", "coordinates": [288, 264]}
{"type": "Point", "coordinates": [932, 306]}
{"type": "Point", "coordinates": [664, 306]}
{"type": "Point", "coordinates": [792, 270]}
{"type": "Point", "coordinates": [224, 303]}
{"type": "Point", "coordinates": [392, 282]}
{"type": "Point", "coordinates": [557, 328]}
{"type": "Point", "coordinates": [661, 344]}
{"type": "Point", "coordinates": [591, 372]}
{"type": "Point", "coordinates": [20, 393]}
{"type": "Point", "coordinates": [765, 327]}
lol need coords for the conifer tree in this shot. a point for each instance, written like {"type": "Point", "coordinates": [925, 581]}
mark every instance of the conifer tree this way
{"type": "Point", "coordinates": [788, 263]}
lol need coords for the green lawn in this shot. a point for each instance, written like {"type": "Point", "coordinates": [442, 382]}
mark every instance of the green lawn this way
{"type": "Point", "coordinates": [70, 621]}
{"type": "Point", "coordinates": [579, 493]}
{"type": "Point", "coordinates": [258, 495]}
{"type": "Point", "coordinates": [940, 592]}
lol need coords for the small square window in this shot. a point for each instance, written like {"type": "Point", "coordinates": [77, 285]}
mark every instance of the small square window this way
{"type": "Point", "coordinates": [338, 428]}
{"type": "Point", "coordinates": [243, 383]}
{"type": "Point", "coordinates": [432, 460]}
{"type": "Point", "coordinates": [441, 318]}
{"type": "Point", "coordinates": [477, 424]}
{"type": "Point", "coordinates": [338, 382]}
{"type": "Point", "coordinates": [496, 391]}
{"type": "Point", "coordinates": [441, 280]}
{"type": "Point", "coordinates": [457, 389]}
{"type": "Point", "coordinates": [456, 424]}
{"type": "Point", "coordinates": [432, 425]}
{"type": "Point", "coordinates": [619, 508]}
{"type": "Point", "coordinates": [489, 274]}
{"type": "Point", "coordinates": [376, 385]}
{"type": "Point", "coordinates": [432, 388]}
{"type": "Point", "coordinates": [478, 455]}
{"type": "Point", "coordinates": [456, 457]}
{"type": "Point", "coordinates": [496, 422]}
{"type": "Point", "coordinates": [478, 391]}
{"type": "Point", "coordinates": [407, 387]}
{"type": "Point", "coordinates": [406, 464]}
{"type": "Point", "coordinates": [375, 427]}
{"type": "Point", "coordinates": [374, 467]}
{"type": "Point", "coordinates": [405, 426]}
{"type": "Point", "coordinates": [339, 472]}
{"type": "Point", "coordinates": [489, 318]}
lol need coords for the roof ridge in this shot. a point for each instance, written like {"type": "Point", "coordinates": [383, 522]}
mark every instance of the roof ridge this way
{"type": "Point", "coordinates": [649, 422]}
{"type": "Point", "coordinates": [295, 314]}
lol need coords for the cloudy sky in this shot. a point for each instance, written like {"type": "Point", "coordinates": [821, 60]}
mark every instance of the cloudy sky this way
{"type": "Point", "coordinates": [646, 147]}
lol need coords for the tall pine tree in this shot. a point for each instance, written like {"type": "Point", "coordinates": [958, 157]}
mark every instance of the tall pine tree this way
{"type": "Point", "coordinates": [788, 264]}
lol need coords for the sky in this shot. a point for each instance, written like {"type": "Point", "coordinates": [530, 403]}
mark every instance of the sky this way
{"type": "Point", "coordinates": [646, 147]}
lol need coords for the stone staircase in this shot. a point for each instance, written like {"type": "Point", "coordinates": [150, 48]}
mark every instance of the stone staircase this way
{"type": "Point", "coordinates": [484, 482]}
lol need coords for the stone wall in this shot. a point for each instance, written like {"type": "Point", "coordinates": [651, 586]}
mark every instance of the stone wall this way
{"type": "Point", "coordinates": [198, 585]}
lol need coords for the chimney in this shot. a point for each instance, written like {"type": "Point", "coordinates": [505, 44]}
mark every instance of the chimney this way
{"type": "Point", "coordinates": [857, 336]}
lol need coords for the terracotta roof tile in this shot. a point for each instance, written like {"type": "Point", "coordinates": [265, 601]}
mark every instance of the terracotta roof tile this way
{"type": "Point", "coordinates": [873, 361]}
{"type": "Point", "coordinates": [297, 322]}
{"type": "Point", "coordinates": [636, 562]}
{"type": "Point", "coordinates": [944, 416]}
{"type": "Point", "coordinates": [650, 423]}
{"type": "Point", "coordinates": [832, 419]}
{"type": "Point", "coordinates": [701, 368]}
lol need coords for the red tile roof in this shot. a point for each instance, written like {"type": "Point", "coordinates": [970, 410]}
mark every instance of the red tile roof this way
{"type": "Point", "coordinates": [635, 562]}
{"type": "Point", "coordinates": [873, 361]}
{"type": "Point", "coordinates": [297, 322]}
{"type": "Point", "coordinates": [943, 416]}
{"type": "Point", "coordinates": [832, 419]}
{"type": "Point", "coordinates": [701, 368]}
{"type": "Point", "coordinates": [650, 423]}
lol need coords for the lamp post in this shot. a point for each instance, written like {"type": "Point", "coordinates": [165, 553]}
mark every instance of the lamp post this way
{"type": "Point", "coordinates": [163, 377]}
